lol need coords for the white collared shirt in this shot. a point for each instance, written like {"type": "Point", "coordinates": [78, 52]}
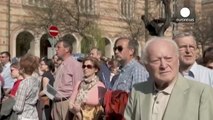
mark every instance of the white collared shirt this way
{"type": "Point", "coordinates": [6, 74]}
{"type": "Point", "coordinates": [200, 73]}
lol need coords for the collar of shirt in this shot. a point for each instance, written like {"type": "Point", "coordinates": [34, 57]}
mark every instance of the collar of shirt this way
{"type": "Point", "coordinates": [66, 61]}
{"type": "Point", "coordinates": [7, 65]}
{"type": "Point", "coordinates": [193, 70]}
{"type": "Point", "coordinates": [167, 90]}
{"type": "Point", "coordinates": [131, 62]}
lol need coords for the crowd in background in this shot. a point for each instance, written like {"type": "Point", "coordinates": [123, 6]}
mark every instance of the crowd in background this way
{"type": "Point", "coordinates": [96, 87]}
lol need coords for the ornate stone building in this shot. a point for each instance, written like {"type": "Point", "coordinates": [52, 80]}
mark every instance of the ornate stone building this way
{"type": "Point", "coordinates": [207, 7]}
{"type": "Point", "coordinates": [18, 41]}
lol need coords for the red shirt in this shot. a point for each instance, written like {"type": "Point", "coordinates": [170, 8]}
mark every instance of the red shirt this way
{"type": "Point", "coordinates": [15, 87]}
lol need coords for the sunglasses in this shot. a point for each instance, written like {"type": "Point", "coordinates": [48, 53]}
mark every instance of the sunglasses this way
{"type": "Point", "coordinates": [87, 66]}
{"type": "Point", "coordinates": [12, 69]}
{"type": "Point", "coordinates": [119, 48]}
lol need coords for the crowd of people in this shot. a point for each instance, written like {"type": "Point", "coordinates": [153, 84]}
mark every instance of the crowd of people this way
{"type": "Point", "coordinates": [167, 83]}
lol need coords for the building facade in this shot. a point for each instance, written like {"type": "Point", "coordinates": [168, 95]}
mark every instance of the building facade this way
{"type": "Point", "coordinates": [112, 14]}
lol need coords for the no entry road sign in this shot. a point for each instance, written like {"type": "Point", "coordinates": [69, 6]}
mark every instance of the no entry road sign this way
{"type": "Point", "coordinates": [53, 30]}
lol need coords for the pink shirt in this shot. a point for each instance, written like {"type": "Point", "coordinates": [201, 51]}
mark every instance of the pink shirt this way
{"type": "Point", "coordinates": [94, 94]}
{"type": "Point", "coordinates": [67, 75]}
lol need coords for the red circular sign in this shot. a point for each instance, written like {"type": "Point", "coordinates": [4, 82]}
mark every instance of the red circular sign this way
{"type": "Point", "coordinates": [53, 31]}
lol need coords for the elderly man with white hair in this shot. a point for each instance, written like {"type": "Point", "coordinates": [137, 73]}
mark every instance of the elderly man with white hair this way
{"type": "Point", "coordinates": [167, 95]}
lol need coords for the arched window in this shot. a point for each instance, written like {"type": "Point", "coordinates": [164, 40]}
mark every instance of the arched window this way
{"type": "Point", "coordinates": [87, 6]}
{"type": "Point", "coordinates": [126, 8]}
{"type": "Point", "coordinates": [38, 3]}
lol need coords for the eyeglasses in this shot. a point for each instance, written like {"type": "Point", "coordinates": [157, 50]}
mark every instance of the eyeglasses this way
{"type": "Point", "coordinates": [119, 48]}
{"type": "Point", "coordinates": [87, 66]}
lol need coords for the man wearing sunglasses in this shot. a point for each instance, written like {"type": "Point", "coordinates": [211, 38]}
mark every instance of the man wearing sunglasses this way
{"type": "Point", "coordinates": [131, 70]}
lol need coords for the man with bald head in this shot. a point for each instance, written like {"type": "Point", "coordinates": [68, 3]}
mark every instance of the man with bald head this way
{"type": "Point", "coordinates": [188, 55]}
{"type": "Point", "coordinates": [167, 95]}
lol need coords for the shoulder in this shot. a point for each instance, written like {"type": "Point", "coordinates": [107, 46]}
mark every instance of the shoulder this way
{"type": "Point", "coordinates": [202, 91]}
{"type": "Point", "coordinates": [78, 83]}
{"type": "Point", "coordinates": [203, 70]}
{"type": "Point", "coordinates": [47, 74]}
{"type": "Point", "coordinates": [198, 86]}
{"type": "Point", "coordinates": [100, 84]}
{"type": "Point", "coordinates": [137, 66]}
{"type": "Point", "coordinates": [73, 60]}
{"type": "Point", "coordinates": [143, 86]}
{"type": "Point", "coordinates": [71, 64]}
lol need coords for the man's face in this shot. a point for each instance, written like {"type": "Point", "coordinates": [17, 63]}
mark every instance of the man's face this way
{"type": "Point", "coordinates": [4, 58]}
{"type": "Point", "coordinates": [122, 51]}
{"type": "Point", "coordinates": [188, 50]}
{"type": "Point", "coordinates": [61, 50]}
{"type": "Point", "coordinates": [94, 53]}
{"type": "Point", "coordinates": [163, 63]}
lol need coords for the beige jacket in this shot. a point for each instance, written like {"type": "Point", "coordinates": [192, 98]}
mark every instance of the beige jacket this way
{"type": "Point", "coordinates": [189, 100]}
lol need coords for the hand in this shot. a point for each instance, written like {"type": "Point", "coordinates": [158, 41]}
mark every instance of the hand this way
{"type": "Point", "coordinates": [76, 108]}
{"type": "Point", "coordinates": [71, 105]}
{"type": "Point", "coordinates": [79, 115]}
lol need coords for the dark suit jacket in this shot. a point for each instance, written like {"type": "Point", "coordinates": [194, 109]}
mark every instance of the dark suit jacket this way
{"type": "Point", "coordinates": [189, 100]}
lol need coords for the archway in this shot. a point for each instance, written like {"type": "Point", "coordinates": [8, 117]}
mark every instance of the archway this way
{"type": "Point", "coordinates": [87, 44]}
{"type": "Point", "coordinates": [45, 47]}
{"type": "Point", "coordinates": [23, 41]}
{"type": "Point", "coordinates": [107, 48]}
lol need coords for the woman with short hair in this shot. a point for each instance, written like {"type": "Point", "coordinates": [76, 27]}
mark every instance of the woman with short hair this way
{"type": "Point", "coordinates": [27, 94]}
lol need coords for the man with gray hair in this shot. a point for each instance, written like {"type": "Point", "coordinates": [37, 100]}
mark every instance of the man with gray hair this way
{"type": "Point", "coordinates": [68, 74]}
{"type": "Point", "coordinates": [131, 70]}
{"type": "Point", "coordinates": [167, 95]}
{"type": "Point", "coordinates": [188, 55]}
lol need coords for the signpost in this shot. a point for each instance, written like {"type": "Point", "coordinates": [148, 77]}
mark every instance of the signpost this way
{"type": "Point", "coordinates": [53, 32]}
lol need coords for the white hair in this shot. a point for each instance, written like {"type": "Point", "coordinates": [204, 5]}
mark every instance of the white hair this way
{"type": "Point", "coordinates": [153, 39]}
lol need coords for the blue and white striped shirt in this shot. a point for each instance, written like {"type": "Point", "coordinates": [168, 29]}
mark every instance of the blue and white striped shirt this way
{"type": "Point", "coordinates": [131, 73]}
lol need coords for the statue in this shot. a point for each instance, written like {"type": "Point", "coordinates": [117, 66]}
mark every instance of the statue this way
{"type": "Point", "coordinates": [157, 27]}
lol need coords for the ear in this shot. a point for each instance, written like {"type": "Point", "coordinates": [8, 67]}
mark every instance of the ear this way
{"type": "Point", "coordinates": [198, 53]}
{"type": "Point", "coordinates": [66, 50]}
{"type": "Point", "coordinates": [131, 51]}
{"type": "Point", "coordinates": [96, 70]}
